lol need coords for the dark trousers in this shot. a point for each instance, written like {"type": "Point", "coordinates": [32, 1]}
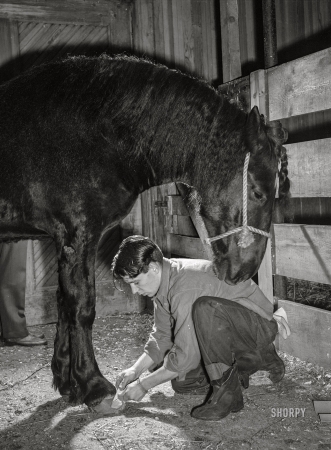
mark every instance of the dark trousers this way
{"type": "Point", "coordinates": [228, 332]}
{"type": "Point", "coordinates": [12, 289]}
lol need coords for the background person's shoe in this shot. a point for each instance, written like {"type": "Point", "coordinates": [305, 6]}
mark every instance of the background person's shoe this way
{"type": "Point", "coordinates": [29, 341]}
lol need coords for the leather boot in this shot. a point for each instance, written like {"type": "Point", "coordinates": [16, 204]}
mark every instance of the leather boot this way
{"type": "Point", "coordinates": [248, 363]}
{"type": "Point", "coordinates": [244, 378]}
{"type": "Point", "coordinates": [226, 397]}
{"type": "Point", "coordinates": [273, 364]}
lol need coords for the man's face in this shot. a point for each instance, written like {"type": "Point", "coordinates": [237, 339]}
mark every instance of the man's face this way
{"type": "Point", "coordinates": [146, 283]}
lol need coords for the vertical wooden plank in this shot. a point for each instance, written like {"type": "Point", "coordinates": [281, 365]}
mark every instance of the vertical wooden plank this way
{"type": "Point", "coordinates": [178, 34]}
{"type": "Point", "coordinates": [168, 35]}
{"type": "Point", "coordinates": [143, 28]}
{"type": "Point", "coordinates": [159, 30]}
{"type": "Point", "coordinates": [208, 59]}
{"type": "Point", "coordinates": [230, 40]}
{"type": "Point", "coordinates": [10, 52]}
{"type": "Point", "coordinates": [154, 217]}
{"type": "Point", "coordinates": [200, 68]}
{"type": "Point", "coordinates": [120, 28]}
{"type": "Point", "coordinates": [211, 26]}
{"type": "Point", "coordinates": [259, 98]}
{"type": "Point", "coordinates": [188, 40]}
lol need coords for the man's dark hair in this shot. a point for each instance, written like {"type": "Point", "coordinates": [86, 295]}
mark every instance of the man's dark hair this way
{"type": "Point", "coordinates": [134, 256]}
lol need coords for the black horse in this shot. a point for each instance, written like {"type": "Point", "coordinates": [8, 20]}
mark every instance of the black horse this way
{"type": "Point", "coordinates": [80, 139]}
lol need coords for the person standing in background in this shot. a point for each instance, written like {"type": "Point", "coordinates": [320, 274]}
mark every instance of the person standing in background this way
{"type": "Point", "coordinates": [12, 296]}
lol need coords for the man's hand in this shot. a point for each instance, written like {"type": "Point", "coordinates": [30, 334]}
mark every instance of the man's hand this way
{"type": "Point", "coordinates": [134, 391]}
{"type": "Point", "coordinates": [126, 377]}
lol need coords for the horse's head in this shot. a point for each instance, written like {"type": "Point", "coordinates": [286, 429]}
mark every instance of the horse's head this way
{"type": "Point", "coordinates": [237, 256]}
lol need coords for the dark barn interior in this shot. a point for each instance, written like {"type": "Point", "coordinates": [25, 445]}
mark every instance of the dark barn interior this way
{"type": "Point", "coordinates": [275, 54]}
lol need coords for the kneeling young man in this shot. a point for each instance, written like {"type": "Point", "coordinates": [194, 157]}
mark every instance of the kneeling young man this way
{"type": "Point", "coordinates": [205, 332]}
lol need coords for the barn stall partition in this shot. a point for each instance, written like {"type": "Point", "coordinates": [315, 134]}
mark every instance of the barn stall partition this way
{"type": "Point", "coordinates": [299, 88]}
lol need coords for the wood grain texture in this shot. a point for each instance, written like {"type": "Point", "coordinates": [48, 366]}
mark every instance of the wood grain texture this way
{"type": "Point", "coordinates": [300, 86]}
{"type": "Point", "coordinates": [154, 217]}
{"type": "Point", "coordinates": [181, 225]}
{"type": "Point", "coordinates": [230, 40]}
{"type": "Point", "coordinates": [310, 168]}
{"type": "Point", "coordinates": [303, 252]}
{"type": "Point", "coordinates": [187, 247]}
{"type": "Point", "coordinates": [176, 206]}
{"type": "Point", "coordinates": [52, 11]}
{"type": "Point", "coordinates": [10, 50]}
{"type": "Point", "coordinates": [259, 98]}
{"type": "Point", "coordinates": [310, 333]}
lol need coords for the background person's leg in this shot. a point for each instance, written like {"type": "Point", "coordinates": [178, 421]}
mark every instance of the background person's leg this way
{"type": "Point", "coordinates": [12, 289]}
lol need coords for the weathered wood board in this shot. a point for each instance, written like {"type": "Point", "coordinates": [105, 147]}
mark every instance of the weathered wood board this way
{"type": "Point", "coordinates": [309, 166]}
{"type": "Point", "coordinates": [181, 225]}
{"type": "Point", "coordinates": [176, 206]}
{"type": "Point", "coordinates": [310, 333]}
{"type": "Point", "coordinates": [303, 252]}
{"type": "Point", "coordinates": [187, 247]}
{"type": "Point", "coordinates": [53, 11]}
{"type": "Point", "coordinates": [300, 86]}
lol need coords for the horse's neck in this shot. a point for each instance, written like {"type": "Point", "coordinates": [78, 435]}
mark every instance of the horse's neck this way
{"type": "Point", "coordinates": [170, 162]}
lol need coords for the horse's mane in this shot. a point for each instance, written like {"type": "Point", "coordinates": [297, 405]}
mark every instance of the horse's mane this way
{"type": "Point", "coordinates": [278, 135]}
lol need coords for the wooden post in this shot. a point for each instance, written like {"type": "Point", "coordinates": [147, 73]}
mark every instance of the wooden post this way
{"type": "Point", "coordinates": [259, 98]}
{"type": "Point", "coordinates": [10, 51]}
{"type": "Point", "coordinates": [271, 60]}
{"type": "Point", "coordinates": [231, 61]}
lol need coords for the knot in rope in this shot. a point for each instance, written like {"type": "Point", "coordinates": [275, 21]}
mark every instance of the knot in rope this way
{"type": "Point", "coordinates": [246, 235]}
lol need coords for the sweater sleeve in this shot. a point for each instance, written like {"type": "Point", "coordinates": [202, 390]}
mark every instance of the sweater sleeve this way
{"type": "Point", "coordinates": [160, 339]}
{"type": "Point", "coordinates": [185, 354]}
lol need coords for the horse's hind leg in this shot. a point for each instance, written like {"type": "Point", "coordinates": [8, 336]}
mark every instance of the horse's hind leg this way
{"type": "Point", "coordinates": [74, 364]}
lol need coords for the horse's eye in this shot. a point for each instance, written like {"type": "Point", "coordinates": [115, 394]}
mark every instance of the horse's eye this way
{"type": "Point", "coordinates": [258, 195]}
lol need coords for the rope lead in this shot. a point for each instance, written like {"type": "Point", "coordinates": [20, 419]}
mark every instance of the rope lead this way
{"type": "Point", "coordinates": [246, 236]}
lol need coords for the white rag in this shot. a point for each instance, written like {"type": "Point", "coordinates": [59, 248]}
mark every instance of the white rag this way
{"type": "Point", "coordinates": [281, 318]}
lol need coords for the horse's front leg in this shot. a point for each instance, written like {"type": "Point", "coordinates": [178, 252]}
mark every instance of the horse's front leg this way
{"type": "Point", "coordinates": [77, 304]}
{"type": "Point", "coordinates": [61, 357]}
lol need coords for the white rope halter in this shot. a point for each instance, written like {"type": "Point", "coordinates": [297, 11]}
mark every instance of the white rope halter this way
{"type": "Point", "coordinates": [246, 236]}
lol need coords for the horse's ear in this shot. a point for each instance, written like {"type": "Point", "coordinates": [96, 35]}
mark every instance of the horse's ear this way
{"type": "Point", "coordinates": [255, 130]}
{"type": "Point", "coordinates": [254, 118]}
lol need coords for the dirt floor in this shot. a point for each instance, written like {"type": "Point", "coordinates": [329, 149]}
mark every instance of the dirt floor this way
{"type": "Point", "coordinates": [34, 416]}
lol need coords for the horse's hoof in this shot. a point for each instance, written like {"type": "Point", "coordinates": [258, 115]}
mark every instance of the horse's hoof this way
{"type": "Point", "coordinates": [105, 407]}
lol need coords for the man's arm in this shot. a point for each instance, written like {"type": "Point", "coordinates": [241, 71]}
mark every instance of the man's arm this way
{"type": "Point", "coordinates": [138, 389]}
{"type": "Point", "coordinates": [160, 339]}
{"type": "Point", "coordinates": [160, 376]}
{"type": "Point", "coordinates": [143, 363]}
